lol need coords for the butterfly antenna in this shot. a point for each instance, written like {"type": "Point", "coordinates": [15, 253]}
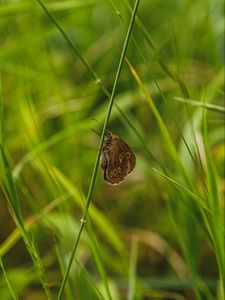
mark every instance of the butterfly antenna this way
{"type": "Point", "coordinates": [96, 132]}
{"type": "Point", "coordinates": [97, 121]}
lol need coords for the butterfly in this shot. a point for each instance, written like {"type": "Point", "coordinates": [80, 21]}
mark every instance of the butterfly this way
{"type": "Point", "coordinates": [117, 159]}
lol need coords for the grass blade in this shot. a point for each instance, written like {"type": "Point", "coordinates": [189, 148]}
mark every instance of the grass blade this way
{"type": "Point", "coordinates": [216, 207]}
{"type": "Point", "coordinates": [1, 114]}
{"type": "Point", "coordinates": [11, 290]}
{"type": "Point", "coordinates": [208, 106]}
{"type": "Point", "coordinates": [14, 203]}
{"type": "Point", "coordinates": [185, 190]}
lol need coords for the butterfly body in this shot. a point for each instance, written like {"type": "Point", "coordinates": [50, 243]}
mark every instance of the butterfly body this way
{"type": "Point", "coordinates": [117, 159]}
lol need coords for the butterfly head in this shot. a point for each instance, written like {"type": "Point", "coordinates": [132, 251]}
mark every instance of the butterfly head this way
{"type": "Point", "coordinates": [108, 137]}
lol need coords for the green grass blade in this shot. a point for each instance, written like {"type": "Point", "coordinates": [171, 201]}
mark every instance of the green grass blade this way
{"type": "Point", "coordinates": [12, 197]}
{"type": "Point", "coordinates": [85, 287]}
{"type": "Point", "coordinates": [98, 258]}
{"type": "Point", "coordinates": [11, 290]}
{"type": "Point", "coordinates": [164, 131]}
{"type": "Point", "coordinates": [208, 106]}
{"type": "Point", "coordinates": [133, 266]}
{"type": "Point", "coordinates": [100, 220]}
{"type": "Point", "coordinates": [1, 114]}
{"type": "Point", "coordinates": [185, 190]}
{"type": "Point", "coordinates": [216, 207]}
{"type": "Point", "coordinates": [17, 214]}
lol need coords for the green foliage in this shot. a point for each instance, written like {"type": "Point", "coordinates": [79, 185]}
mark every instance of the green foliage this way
{"type": "Point", "coordinates": [160, 233]}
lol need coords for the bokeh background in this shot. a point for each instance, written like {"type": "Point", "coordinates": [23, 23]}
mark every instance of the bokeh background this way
{"type": "Point", "coordinates": [160, 233]}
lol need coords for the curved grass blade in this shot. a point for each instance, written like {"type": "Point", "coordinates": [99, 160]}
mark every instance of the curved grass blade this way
{"type": "Point", "coordinates": [165, 133]}
{"type": "Point", "coordinates": [209, 106]}
{"type": "Point", "coordinates": [185, 190]}
{"type": "Point", "coordinates": [14, 203]}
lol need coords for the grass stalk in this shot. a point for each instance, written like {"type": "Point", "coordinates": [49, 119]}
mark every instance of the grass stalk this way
{"type": "Point", "coordinates": [11, 290]}
{"type": "Point", "coordinates": [1, 114]}
{"type": "Point", "coordinates": [209, 106]}
{"type": "Point", "coordinates": [215, 203]}
{"type": "Point", "coordinates": [15, 209]}
{"type": "Point", "coordinates": [93, 74]}
{"type": "Point", "coordinates": [94, 173]}
{"type": "Point", "coordinates": [164, 131]}
{"type": "Point", "coordinates": [75, 49]}
{"type": "Point", "coordinates": [98, 259]}
{"type": "Point", "coordinates": [133, 267]}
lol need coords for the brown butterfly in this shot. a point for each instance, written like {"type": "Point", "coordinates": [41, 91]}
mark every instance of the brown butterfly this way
{"type": "Point", "coordinates": [117, 159]}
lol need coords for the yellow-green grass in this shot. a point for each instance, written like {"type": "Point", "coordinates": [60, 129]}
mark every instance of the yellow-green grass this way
{"type": "Point", "coordinates": [66, 234]}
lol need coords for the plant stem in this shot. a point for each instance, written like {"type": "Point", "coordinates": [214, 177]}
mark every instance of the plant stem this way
{"type": "Point", "coordinates": [94, 173]}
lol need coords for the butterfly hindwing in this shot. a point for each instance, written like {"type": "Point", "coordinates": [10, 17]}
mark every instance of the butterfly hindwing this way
{"type": "Point", "coordinates": [117, 159]}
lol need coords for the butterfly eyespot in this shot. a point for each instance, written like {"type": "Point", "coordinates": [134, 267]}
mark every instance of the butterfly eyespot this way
{"type": "Point", "coordinates": [128, 155]}
{"type": "Point", "coordinates": [121, 155]}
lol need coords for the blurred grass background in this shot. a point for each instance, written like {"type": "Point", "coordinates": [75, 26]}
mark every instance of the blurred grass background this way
{"type": "Point", "coordinates": [159, 234]}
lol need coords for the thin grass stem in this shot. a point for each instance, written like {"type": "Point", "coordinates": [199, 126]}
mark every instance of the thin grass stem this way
{"type": "Point", "coordinates": [133, 267]}
{"type": "Point", "coordinates": [94, 173]}
{"type": "Point", "coordinates": [11, 290]}
{"type": "Point", "coordinates": [94, 76]}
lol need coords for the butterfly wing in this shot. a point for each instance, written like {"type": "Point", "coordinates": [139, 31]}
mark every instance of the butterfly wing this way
{"type": "Point", "coordinates": [117, 161]}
